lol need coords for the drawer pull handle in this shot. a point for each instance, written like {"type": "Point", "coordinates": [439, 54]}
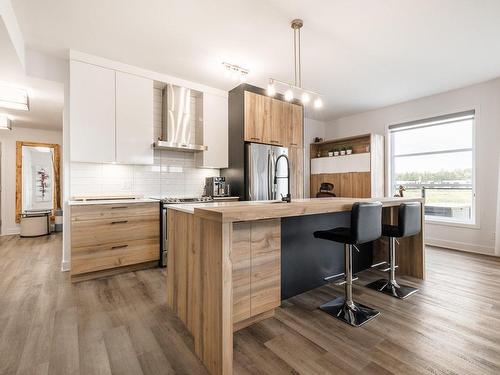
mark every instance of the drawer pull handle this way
{"type": "Point", "coordinates": [255, 139]}
{"type": "Point", "coordinates": [118, 207]}
{"type": "Point", "coordinates": [118, 247]}
{"type": "Point", "coordinates": [120, 222]}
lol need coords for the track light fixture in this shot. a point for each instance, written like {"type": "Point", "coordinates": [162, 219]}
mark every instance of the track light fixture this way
{"type": "Point", "coordinates": [235, 72]}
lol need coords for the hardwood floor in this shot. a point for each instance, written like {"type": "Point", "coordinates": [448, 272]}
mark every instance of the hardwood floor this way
{"type": "Point", "coordinates": [121, 325]}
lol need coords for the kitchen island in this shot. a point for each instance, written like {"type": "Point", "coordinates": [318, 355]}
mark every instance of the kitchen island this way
{"type": "Point", "coordinates": [231, 264]}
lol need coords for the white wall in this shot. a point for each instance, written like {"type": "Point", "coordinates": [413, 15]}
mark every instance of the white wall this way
{"type": "Point", "coordinates": [312, 129]}
{"type": "Point", "coordinates": [485, 98]}
{"type": "Point", "coordinates": [8, 169]}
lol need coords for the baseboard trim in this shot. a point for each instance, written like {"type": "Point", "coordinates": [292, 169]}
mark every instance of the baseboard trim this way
{"type": "Point", "coordinates": [10, 232]}
{"type": "Point", "coordinates": [461, 246]}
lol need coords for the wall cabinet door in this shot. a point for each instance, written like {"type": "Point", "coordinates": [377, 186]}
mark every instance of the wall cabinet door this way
{"type": "Point", "coordinates": [276, 133]}
{"type": "Point", "coordinates": [134, 119]}
{"type": "Point", "coordinates": [295, 130]}
{"type": "Point", "coordinates": [296, 156]}
{"type": "Point", "coordinates": [215, 132]}
{"type": "Point", "coordinates": [257, 116]}
{"type": "Point", "coordinates": [92, 113]}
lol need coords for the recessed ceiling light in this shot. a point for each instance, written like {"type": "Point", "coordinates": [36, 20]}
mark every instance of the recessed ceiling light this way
{"type": "Point", "coordinates": [5, 122]}
{"type": "Point", "coordinates": [14, 98]}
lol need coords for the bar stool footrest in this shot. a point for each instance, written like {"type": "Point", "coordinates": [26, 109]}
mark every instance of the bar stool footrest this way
{"type": "Point", "coordinates": [383, 266]}
{"type": "Point", "coordinates": [392, 288]}
{"type": "Point", "coordinates": [354, 314]}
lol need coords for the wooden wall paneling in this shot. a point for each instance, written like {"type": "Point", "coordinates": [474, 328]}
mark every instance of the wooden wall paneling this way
{"type": "Point", "coordinates": [214, 339]}
{"type": "Point", "coordinates": [266, 265]}
{"type": "Point", "coordinates": [296, 156]}
{"type": "Point", "coordinates": [315, 183]}
{"type": "Point", "coordinates": [361, 184]}
{"type": "Point", "coordinates": [346, 189]}
{"type": "Point", "coordinates": [241, 257]}
{"type": "Point", "coordinates": [335, 179]}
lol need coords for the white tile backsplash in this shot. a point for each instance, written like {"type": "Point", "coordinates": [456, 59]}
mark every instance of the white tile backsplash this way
{"type": "Point", "coordinates": [173, 174]}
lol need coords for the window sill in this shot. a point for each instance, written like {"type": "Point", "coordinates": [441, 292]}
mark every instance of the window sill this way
{"type": "Point", "coordinates": [452, 224]}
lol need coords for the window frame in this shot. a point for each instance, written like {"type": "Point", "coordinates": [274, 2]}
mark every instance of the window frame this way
{"type": "Point", "coordinates": [439, 119]}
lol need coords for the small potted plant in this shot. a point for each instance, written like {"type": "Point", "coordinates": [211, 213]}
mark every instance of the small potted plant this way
{"type": "Point", "coordinates": [342, 151]}
{"type": "Point", "coordinates": [336, 152]}
{"type": "Point", "coordinates": [348, 150]}
{"type": "Point", "coordinates": [330, 153]}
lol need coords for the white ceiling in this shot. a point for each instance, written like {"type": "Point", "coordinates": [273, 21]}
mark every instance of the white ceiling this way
{"type": "Point", "coordinates": [46, 98]}
{"type": "Point", "coordinates": [360, 54]}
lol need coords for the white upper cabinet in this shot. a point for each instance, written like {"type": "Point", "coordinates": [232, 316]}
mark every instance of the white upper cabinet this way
{"type": "Point", "coordinates": [92, 113]}
{"type": "Point", "coordinates": [215, 132]}
{"type": "Point", "coordinates": [134, 119]}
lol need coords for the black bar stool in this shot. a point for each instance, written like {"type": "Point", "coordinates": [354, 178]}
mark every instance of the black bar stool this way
{"type": "Point", "coordinates": [409, 224]}
{"type": "Point", "coordinates": [366, 226]}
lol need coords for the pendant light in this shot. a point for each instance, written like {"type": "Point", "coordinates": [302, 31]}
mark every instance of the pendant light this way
{"type": "Point", "coordinates": [296, 89]}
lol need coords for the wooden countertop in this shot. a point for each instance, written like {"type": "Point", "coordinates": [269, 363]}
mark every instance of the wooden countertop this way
{"type": "Point", "coordinates": [257, 210]}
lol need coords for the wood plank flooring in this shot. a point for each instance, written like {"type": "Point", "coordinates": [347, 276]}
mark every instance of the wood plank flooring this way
{"type": "Point", "coordinates": [121, 325]}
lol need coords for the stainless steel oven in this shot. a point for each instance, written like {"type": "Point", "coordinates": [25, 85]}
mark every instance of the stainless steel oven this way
{"type": "Point", "coordinates": [165, 202]}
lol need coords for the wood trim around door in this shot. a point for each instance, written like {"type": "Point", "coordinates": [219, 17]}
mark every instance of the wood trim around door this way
{"type": "Point", "coordinates": [19, 174]}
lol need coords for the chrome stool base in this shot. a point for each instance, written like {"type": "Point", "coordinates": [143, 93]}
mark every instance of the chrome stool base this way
{"type": "Point", "coordinates": [354, 313]}
{"type": "Point", "coordinates": [392, 288]}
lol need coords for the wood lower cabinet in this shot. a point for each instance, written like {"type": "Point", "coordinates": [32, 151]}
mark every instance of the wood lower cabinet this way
{"type": "Point", "coordinates": [256, 256]}
{"type": "Point", "coordinates": [110, 236]}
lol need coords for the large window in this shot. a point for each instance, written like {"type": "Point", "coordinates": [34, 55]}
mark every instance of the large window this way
{"type": "Point", "coordinates": [434, 158]}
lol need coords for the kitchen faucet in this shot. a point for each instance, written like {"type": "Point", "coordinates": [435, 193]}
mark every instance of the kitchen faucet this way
{"type": "Point", "coordinates": [288, 197]}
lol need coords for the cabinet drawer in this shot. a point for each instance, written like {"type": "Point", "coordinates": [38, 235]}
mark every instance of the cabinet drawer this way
{"type": "Point", "coordinates": [114, 230]}
{"type": "Point", "coordinates": [109, 211]}
{"type": "Point", "coordinates": [124, 253]}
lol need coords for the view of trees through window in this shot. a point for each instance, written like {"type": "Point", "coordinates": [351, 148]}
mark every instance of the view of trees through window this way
{"type": "Point", "coordinates": [434, 159]}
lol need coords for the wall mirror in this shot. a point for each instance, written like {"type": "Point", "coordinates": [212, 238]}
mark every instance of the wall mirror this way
{"type": "Point", "coordinates": [37, 178]}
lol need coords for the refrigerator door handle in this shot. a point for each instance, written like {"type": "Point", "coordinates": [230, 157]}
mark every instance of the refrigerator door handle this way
{"type": "Point", "coordinates": [273, 170]}
{"type": "Point", "coordinates": [270, 180]}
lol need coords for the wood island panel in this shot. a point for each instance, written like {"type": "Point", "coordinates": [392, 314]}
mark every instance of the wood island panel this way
{"type": "Point", "coordinates": [266, 266]}
{"type": "Point", "coordinates": [241, 257]}
{"type": "Point", "coordinates": [231, 289]}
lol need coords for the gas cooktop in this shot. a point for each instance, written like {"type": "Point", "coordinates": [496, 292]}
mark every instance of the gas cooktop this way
{"type": "Point", "coordinates": [171, 200]}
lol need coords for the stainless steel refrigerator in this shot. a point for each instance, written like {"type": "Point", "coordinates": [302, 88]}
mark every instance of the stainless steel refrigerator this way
{"type": "Point", "coordinates": [260, 172]}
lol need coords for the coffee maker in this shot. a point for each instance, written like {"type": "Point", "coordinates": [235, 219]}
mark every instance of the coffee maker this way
{"type": "Point", "coordinates": [216, 187]}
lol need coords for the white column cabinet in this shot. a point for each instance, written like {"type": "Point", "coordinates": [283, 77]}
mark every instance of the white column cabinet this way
{"type": "Point", "coordinates": [134, 119]}
{"type": "Point", "coordinates": [92, 113]}
{"type": "Point", "coordinates": [215, 132]}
